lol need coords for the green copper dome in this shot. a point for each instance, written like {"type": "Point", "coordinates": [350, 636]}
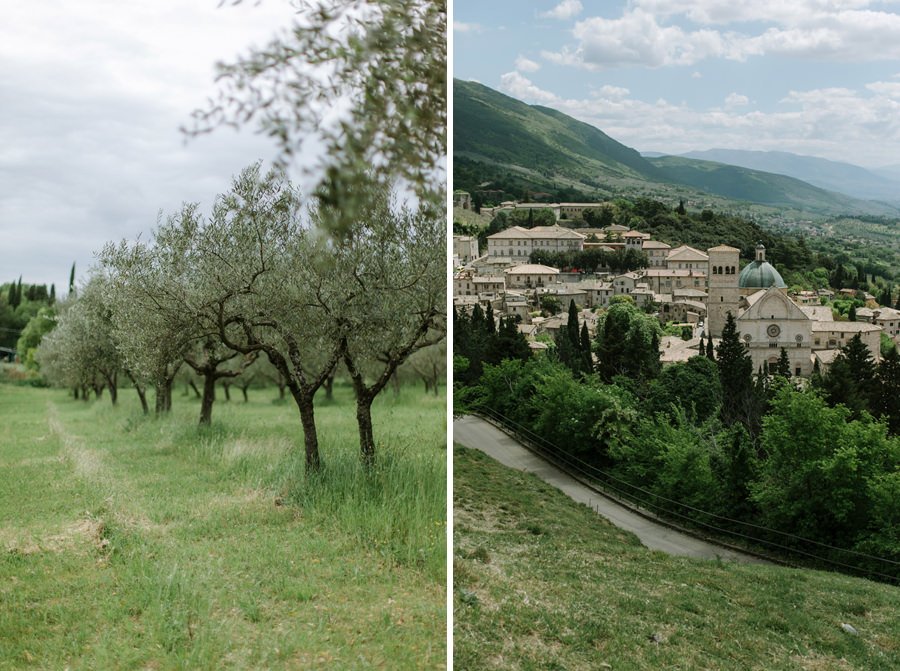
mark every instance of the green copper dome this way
{"type": "Point", "coordinates": [760, 275]}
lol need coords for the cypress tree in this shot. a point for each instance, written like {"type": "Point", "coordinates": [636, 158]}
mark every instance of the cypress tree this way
{"type": "Point", "coordinates": [572, 325]}
{"type": "Point", "coordinates": [72, 278]}
{"type": "Point", "coordinates": [489, 325]}
{"type": "Point", "coordinates": [815, 380]}
{"type": "Point", "coordinates": [851, 378]}
{"type": "Point", "coordinates": [710, 353]}
{"type": "Point", "coordinates": [11, 295]}
{"type": "Point", "coordinates": [509, 342]}
{"type": "Point", "coordinates": [735, 373]}
{"type": "Point", "coordinates": [702, 347]}
{"type": "Point", "coordinates": [887, 397]}
{"type": "Point", "coordinates": [784, 365]}
{"type": "Point", "coordinates": [587, 364]}
{"type": "Point", "coordinates": [477, 320]}
{"type": "Point", "coordinates": [851, 315]}
{"type": "Point", "coordinates": [53, 294]}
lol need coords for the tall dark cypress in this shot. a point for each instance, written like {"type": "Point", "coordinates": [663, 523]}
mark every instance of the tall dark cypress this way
{"type": "Point", "coordinates": [572, 325]}
{"type": "Point", "coordinates": [736, 375]}
{"type": "Point", "coordinates": [783, 368]}
{"type": "Point", "coordinates": [587, 361]}
{"type": "Point", "coordinates": [72, 278]}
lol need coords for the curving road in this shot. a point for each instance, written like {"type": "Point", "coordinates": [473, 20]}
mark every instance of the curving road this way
{"type": "Point", "coordinates": [474, 432]}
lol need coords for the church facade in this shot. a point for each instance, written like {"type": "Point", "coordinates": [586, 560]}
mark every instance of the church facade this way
{"type": "Point", "coordinates": [769, 321]}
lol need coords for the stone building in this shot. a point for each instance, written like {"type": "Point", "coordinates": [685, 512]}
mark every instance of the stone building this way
{"type": "Point", "coordinates": [773, 321]}
{"type": "Point", "coordinates": [724, 291]}
{"type": "Point", "coordinates": [518, 243]}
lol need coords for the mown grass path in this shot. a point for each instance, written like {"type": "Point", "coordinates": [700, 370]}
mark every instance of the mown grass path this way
{"type": "Point", "coordinates": [135, 543]}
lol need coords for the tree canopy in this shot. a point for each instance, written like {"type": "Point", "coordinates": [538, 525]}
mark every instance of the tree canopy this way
{"type": "Point", "coordinates": [366, 79]}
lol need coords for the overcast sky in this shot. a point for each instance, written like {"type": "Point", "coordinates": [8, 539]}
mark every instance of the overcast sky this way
{"type": "Point", "coordinates": [815, 77]}
{"type": "Point", "coordinates": [92, 95]}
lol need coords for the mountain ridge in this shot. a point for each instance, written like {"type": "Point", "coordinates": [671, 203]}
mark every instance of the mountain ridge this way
{"type": "Point", "coordinates": [542, 149]}
{"type": "Point", "coordinates": [838, 176]}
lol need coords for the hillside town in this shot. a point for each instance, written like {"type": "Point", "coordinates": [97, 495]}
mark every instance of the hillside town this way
{"type": "Point", "coordinates": [690, 290]}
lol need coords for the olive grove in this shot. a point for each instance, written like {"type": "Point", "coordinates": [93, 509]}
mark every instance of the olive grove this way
{"type": "Point", "coordinates": [260, 277]}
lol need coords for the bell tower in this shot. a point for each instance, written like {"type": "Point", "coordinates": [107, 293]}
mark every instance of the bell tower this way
{"type": "Point", "coordinates": [724, 292]}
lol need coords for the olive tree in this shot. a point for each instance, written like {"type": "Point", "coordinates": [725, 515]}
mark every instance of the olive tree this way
{"type": "Point", "coordinates": [268, 285]}
{"type": "Point", "coordinates": [209, 358]}
{"type": "Point", "coordinates": [152, 302]}
{"type": "Point", "coordinates": [391, 299]}
{"type": "Point", "coordinates": [365, 79]}
{"type": "Point", "coordinates": [81, 351]}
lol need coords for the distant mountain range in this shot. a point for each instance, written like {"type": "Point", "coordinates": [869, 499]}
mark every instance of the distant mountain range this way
{"type": "Point", "coordinates": [852, 180]}
{"type": "Point", "coordinates": [496, 136]}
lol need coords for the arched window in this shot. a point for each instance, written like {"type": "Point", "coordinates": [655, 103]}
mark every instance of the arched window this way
{"type": "Point", "coordinates": [732, 270]}
{"type": "Point", "coordinates": [714, 271]}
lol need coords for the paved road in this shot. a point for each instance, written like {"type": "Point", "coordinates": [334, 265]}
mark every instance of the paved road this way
{"type": "Point", "coordinates": [476, 433]}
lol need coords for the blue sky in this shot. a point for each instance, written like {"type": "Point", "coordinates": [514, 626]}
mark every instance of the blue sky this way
{"type": "Point", "coordinates": [814, 77]}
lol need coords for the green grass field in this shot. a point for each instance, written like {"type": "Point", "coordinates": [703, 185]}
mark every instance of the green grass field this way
{"type": "Point", "coordinates": [543, 583]}
{"type": "Point", "coordinates": [135, 543]}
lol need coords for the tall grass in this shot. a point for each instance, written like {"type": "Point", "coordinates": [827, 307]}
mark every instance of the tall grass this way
{"type": "Point", "coordinates": [396, 508]}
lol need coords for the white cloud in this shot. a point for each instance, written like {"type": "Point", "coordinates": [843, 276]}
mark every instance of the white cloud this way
{"type": "Point", "coordinates": [733, 100]}
{"type": "Point", "coordinates": [565, 10]}
{"type": "Point", "coordinates": [526, 65]}
{"type": "Point", "coordinates": [887, 89]}
{"type": "Point", "coordinates": [843, 124]}
{"type": "Point", "coordinates": [637, 39]}
{"type": "Point", "coordinates": [521, 87]}
{"type": "Point", "coordinates": [709, 12]}
{"type": "Point", "coordinates": [460, 27]}
{"type": "Point", "coordinates": [613, 92]}
{"type": "Point", "coordinates": [696, 75]}
{"type": "Point", "coordinates": [645, 33]}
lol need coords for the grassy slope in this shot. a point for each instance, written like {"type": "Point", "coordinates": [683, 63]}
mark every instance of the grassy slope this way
{"type": "Point", "coordinates": [494, 127]}
{"type": "Point", "coordinates": [543, 583]}
{"type": "Point", "coordinates": [760, 187]}
{"type": "Point", "coordinates": [133, 543]}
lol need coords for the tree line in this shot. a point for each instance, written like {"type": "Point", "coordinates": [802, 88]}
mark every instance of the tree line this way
{"type": "Point", "coordinates": [261, 277]}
